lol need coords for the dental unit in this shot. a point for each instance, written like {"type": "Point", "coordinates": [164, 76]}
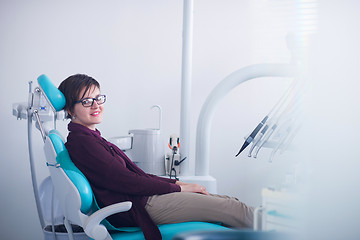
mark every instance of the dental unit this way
{"type": "Point", "coordinates": [286, 108]}
{"type": "Point", "coordinates": [225, 86]}
{"type": "Point", "coordinates": [140, 144]}
{"type": "Point", "coordinates": [145, 146]}
{"type": "Point", "coordinates": [264, 127]}
{"type": "Point", "coordinates": [291, 115]}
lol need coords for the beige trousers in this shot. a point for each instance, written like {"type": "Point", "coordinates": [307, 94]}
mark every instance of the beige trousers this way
{"type": "Point", "coordinates": [184, 207]}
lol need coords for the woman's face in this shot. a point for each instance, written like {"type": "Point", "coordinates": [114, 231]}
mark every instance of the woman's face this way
{"type": "Point", "coordinates": [88, 116]}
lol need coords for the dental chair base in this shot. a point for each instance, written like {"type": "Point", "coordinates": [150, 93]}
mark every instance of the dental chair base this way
{"type": "Point", "coordinates": [60, 233]}
{"type": "Point", "coordinates": [233, 235]}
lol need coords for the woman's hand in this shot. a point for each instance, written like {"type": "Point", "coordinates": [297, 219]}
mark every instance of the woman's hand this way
{"type": "Point", "coordinates": [191, 187]}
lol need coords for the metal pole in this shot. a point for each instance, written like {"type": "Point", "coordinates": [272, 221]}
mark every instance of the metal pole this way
{"type": "Point", "coordinates": [186, 86]}
{"type": "Point", "coordinates": [33, 173]}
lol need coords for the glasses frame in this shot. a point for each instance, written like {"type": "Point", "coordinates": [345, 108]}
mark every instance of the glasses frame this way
{"type": "Point", "coordinates": [93, 100]}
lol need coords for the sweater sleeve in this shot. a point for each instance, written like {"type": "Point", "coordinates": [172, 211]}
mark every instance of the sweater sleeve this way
{"type": "Point", "coordinates": [163, 179]}
{"type": "Point", "coordinates": [104, 169]}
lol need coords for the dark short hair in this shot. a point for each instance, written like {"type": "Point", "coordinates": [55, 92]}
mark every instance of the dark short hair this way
{"type": "Point", "coordinates": [72, 86]}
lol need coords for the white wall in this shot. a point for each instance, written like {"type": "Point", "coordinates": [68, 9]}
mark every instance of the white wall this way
{"type": "Point", "coordinates": [332, 103]}
{"type": "Point", "coordinates": [133, 48]}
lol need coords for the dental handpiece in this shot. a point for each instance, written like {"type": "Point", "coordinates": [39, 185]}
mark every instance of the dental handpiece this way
{"type": "Point", "coordinates": [258, 138]}
{"type": "Point", "coordinates": [267, 134]}
{"type": "Point", "coordinates": [274, 111]}
{"type": "Point", "coordinates": [252, 135]}
{"type": "Point", "coordinates": [266, 138]}
{"type": "Point", "coordinates": [283, 105]}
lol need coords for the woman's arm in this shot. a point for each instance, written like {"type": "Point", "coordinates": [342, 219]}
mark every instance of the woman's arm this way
{"type": "Point", "coordinates": [185, 187]}
{"type": "Point", "coordinates": [165, 179]}
{"type": "Point", "coordinates": [104, 169]}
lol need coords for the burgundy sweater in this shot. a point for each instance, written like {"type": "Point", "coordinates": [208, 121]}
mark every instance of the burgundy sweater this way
{"type": "Point", "coordinates": [115, 178]}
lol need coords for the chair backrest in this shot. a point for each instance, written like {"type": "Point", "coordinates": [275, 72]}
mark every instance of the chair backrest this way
{"type": "Point", "coordinates": [74, 174]}
{"type": "Point", "coordinates": [71, 186]}
{"type": "Point", "coordinates": [53, 95]}
{"type": "Point", "coordinates": [71, 183]}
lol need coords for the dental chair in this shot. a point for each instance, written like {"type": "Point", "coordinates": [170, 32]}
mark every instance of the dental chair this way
{"type": "Point", "coordinates": [75, 195]}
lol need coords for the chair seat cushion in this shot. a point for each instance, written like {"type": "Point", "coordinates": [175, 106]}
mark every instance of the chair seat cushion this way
{"type": "Point", "coordinates": [168, 231]}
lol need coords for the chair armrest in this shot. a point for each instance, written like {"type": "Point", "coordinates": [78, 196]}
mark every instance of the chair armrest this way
{"type": "Point", "coordinates": [92, 226]}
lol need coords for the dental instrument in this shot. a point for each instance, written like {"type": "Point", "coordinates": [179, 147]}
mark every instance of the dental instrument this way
{"type": "Point", "coordinates": [252, 137]}
{"type": "Point", "coordinates": [289, 109]}
{"type": "Point", "coordinates": [258, 138]}
{"type": "Point", "coordinates": [225, 86]}
{"type": "Point", "coordinates": [271, 114]}
{"type": "Point", "coordinates": [172, 169]}
{"type": "Point", "coordinates": [172, 160]}
{"type": "Point", "coordinates": [265, 139]}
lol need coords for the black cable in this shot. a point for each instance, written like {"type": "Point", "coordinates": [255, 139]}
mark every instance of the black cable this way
{"type": "Point", "coordinates": [172, 165]}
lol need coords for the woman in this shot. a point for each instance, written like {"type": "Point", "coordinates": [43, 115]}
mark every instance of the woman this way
{"type": "Point", "coordinates": [115, 178]}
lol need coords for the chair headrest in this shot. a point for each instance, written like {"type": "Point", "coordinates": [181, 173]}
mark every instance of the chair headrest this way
{"type": "Point", "coordinates": [75, 175]}
{"type": "Point", "coordinates": [53, 95]}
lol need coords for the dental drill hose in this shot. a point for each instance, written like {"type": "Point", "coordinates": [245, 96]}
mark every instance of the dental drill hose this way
{"type": "Point", "coordinates": [172, 165]}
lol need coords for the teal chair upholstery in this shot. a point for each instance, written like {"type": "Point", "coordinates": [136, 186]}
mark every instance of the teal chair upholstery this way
{"type": "Point", "coordinates": [76, 196]}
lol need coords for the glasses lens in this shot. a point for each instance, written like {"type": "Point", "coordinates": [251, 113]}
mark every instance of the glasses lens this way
{"type": "Point", "coordinates": [87, 102]}
{"type": "Point", "coordinates": [101, 99]}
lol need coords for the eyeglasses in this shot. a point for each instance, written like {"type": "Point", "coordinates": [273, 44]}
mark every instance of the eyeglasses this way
{"type": "Point", "coordinates": [88, 102]}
